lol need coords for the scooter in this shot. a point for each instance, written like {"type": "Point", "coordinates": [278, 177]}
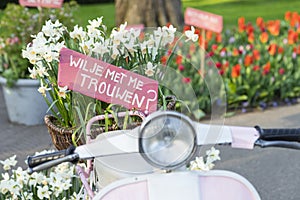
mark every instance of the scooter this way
{"type": "Point", "coordinates": [149, 162]}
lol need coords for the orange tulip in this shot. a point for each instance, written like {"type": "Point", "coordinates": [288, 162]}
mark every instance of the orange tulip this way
{"type": "Point", "coordinates": [274, 27]}
{"type": "Point", "coordinates": [209, 35]}
{"type": "Point", "coordinates": [296, 49]}
{"type": "Point", "coordinates": [294, 19]}
{"type": "Point", "coordinates": [200, 42]}
{"type": "Point", "coordinates": [178, 59]}
{"type": "Point", "coordinates": [241, 24]}
{"type": "Point", "coordinates": [266, 68]}
{"type": "Point", "coordinates": [256, 54]}
{"type": "Point", "coordinates": [248, 60]}
{"type": "Point", "coordinates": [288, 16]}
{"type": "Point", "coordinates": [236, 71]}
{"type": "Point", "coordinates": [292, 37]}
{"type": "Point", "coordinates": [251, 37]}
{"type": "Point", "coordinates": [272, 49]}
{"type": "Point", "coordinates": [260, 22]}
{"type": "Point", "coordinates": [219, 37]}
{"type": "Point", "coordinates": [235, 52]}
{"type": "Point", "coordinates": [264, 37]}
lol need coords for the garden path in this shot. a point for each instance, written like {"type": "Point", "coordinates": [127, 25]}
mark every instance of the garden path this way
{"type": "Point", "coordinates": [272, 171]}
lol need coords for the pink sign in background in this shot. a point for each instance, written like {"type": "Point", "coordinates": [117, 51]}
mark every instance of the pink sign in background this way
{"type": "Point", "coordinates": [42, 3]}
{"type": "Point", "coordinates": [106, 82]}
{"type": "Point", "coordinates": [203, 20]}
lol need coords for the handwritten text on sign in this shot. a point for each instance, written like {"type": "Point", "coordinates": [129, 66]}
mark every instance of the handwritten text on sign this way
{"type": "Point", "coordinates": [42, 3]}
{"type": "Point", "coordinates": [106, 82]}
{"type": "Point", "coordinates": [203, 20]}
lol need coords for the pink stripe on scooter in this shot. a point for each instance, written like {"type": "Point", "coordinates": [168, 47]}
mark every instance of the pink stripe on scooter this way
{"type": "Point", "coordinates": [132, 191]}
{"type": "Point", "coordinates": [243, 137]}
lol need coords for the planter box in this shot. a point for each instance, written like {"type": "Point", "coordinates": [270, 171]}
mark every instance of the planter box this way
{"type": "Point", "coordinates": [25, 105]}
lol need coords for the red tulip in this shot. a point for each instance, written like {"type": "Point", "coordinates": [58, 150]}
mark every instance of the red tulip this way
{"type": "Point", "coordinates": [266, 68]}
{"type": "Point", "coordinates": [236, 71]}
{"type": "Point", "coordinates": [281, 71]}
{"type": "Point", "coordinates": [186, 80]}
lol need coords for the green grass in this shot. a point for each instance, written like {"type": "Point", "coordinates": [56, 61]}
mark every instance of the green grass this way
{"type": "Point", "coordinates": [231, 10]}
{"type": "Point", "coordinates": [92, 11]}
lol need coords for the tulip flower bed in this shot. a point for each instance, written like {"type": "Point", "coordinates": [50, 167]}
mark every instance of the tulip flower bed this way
{"type": "Point", "coordinates": [259, 62]}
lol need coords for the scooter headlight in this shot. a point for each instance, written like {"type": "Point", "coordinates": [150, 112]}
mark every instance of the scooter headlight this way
{"type": "Point", "coordinates": [167, 140]}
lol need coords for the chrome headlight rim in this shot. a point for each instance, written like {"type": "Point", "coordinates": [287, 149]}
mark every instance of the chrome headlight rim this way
{"type": "Point", "coordinates": [184, 119]}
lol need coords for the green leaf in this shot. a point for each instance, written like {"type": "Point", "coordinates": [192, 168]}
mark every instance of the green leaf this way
{"type": "Point", "coordinates": [263, 94]}
{"type": "Point", "coordinates": [238, 99]}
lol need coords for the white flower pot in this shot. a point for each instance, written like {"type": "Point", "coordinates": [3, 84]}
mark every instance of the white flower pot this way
{"type": "Point", "coordinates": [25, 105]}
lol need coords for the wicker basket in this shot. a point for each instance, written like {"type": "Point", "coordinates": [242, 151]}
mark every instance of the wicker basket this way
{"type": "Point", "coordinates": [62, 137]}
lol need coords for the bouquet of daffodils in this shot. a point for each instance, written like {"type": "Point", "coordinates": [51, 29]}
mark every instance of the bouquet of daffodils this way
{"type": "Point", "coordinates": [150, 53]}
{"type": "Point", "coordinates": [58, 183]}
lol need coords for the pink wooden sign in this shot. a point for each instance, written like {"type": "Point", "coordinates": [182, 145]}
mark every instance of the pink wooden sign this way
{"type": "Point", "coordinates": [203, 20]}
{"type": "Point", "coordinates": [42, 3]}
{"type": "Point", "coordinates": [106, 82]}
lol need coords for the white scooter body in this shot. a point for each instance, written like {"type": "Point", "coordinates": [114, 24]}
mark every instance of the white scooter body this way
{"type": "Point", "coordinates": [192, 185]}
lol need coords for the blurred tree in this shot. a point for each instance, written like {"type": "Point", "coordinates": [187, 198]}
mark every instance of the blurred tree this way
{"type": "Point", "coordinates": [151, 13]}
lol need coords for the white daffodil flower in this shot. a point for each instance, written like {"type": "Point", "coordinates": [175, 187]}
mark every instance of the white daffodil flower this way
{"type": "Point", "coordinates": [206, 164]}
{"type": "Point", "coordinates": [191, 35]}
{"type": "Point", "coordinates": [30, 54]}
{"type": "Point", "coordinates": [213, 155]}
{"type": "Point", "coordinates": [95, 23]}
{"type": "Point", "coordinates": [33, 73]}
{"type": "Point", "coordinates": [53, 30]}
{"type": "Point", "coordinates": [87, 46]}
{"type": "Point", "coordinates": [130, 46]}
{"type": "Point", "coordinates": [150, 69]}
{"type": "Point", "coordinates": [43, 89]}
{"type": "Point", "coordinates": [171, 29]}
{"type": "Point", "coordinates": [41, 70]}
{"type": "Point", "coordinates": [62, 91]}
{"type": "Point", "coordinates": [43, 192]}
{"type": "Point", "coordinates": [9, 162]}
{"type": "Point", "coordinates": [100, 49]}
{"type": "Point", "coordinates": [199, 164]}
{"type": "Point", "coordinates": [78, 33]}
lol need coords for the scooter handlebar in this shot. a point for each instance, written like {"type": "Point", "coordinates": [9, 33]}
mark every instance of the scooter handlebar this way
{"type": "Point", "coordinates": [52, 163]}
{"type": "Point", "coordinates": [292, 134]}
{"type": "Point", "coordinates": [37, 161]}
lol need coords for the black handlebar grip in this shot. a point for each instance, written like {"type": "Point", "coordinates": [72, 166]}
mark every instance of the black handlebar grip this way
{"type": "Point", "coordinates": [292, 134]}
{"type": "Point", "coordinates": [33, 161]}
{"type": "Point", "coordinates": [52, 163]}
